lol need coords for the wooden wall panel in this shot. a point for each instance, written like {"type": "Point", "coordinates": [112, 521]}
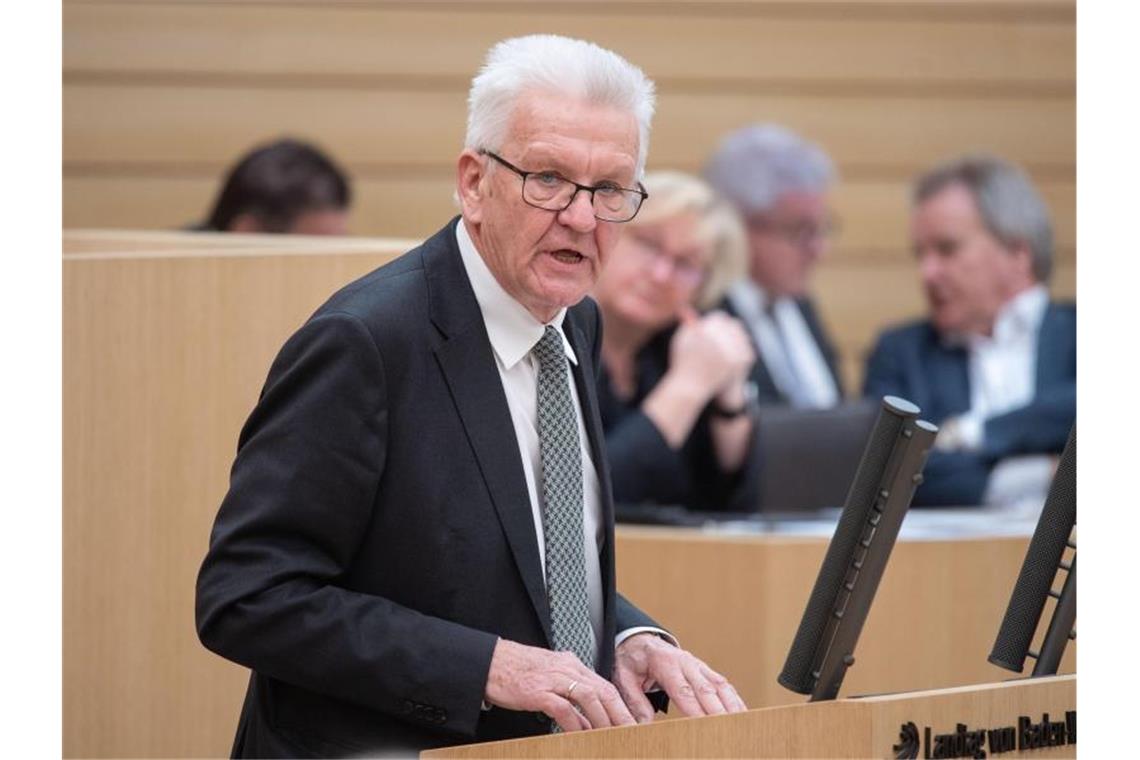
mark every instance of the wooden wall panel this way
{"type": "Point", "coordinates": [163, 359]}
{"type": "Point", "coordinates": [200, 125]}
{"type": "Point", "coordinates": [748, 43]}
{"type": "Point", "coordinates": [161, 96]}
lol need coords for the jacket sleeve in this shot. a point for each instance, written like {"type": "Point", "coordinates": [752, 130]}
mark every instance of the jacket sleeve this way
{"type": "Point", "coordinates": [1040, 427]}
{"type": "Point", "coordinates": [301, 496]}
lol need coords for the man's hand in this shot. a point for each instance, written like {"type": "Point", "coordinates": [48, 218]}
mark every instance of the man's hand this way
{"type": "Point", "coordinates": [555, 683]}
{"type": "Point", "coordinates": [645, 658]}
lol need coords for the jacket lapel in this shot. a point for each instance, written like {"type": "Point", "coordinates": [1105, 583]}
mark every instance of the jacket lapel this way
{"type": "Point", "coordinates": [1051, 348]}
{"type": "Point", "coordinates": [468, 364]}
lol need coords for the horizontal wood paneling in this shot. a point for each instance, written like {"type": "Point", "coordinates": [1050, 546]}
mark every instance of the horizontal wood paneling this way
{"type": "Point", "coordinates": [209, 126]}
{"type": "Point", "coordinates": [377, 42]}
{"type": "Point", "coordinates": [873, 214]}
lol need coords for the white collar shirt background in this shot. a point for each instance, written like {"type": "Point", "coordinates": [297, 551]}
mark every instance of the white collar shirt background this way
{"type": "Point", "coordinates": [786, 346]}
{"type": "Point", "coordinates": [1003, 377]}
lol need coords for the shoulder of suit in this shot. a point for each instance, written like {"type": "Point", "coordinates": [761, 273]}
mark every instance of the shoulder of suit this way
{"type": "Point", "coordinates": [1067, 309]}
{"type": "Point", "coordinates": [914, 331]}
{"type": "Point", "coordinates": [584, 314]}
{"type": "Point", "coordinates": [394, 291]}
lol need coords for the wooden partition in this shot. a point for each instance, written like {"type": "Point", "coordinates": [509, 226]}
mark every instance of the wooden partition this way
{"type": "Point", "coordinates": [167, 340]}
{"type": "Point", "coordinates": [893, 725]}
{"type": "Point", "coordinates": [166, 344]}
{"type": "Point", "coordinates": [736, 601]}
{"type": "Point", "coordinates": [160, 96]}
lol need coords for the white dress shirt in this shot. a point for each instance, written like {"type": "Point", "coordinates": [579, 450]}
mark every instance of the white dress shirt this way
{"type": "Point", "coordinates": [513, 332]}
{"type": "Point", "coordinates": [786, 345]}
{"type": "Point", "coordinates": [1003, 377]}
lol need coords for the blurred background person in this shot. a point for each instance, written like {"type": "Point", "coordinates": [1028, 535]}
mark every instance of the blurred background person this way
{"type": "Point", "coordinates": [286, 186]}
{"type": "Point", "coordinates": [674, 391]}
{"type": "Point", "coordinates": [995, 362]}
{"type": "Point", "coordinates": [779, 184]}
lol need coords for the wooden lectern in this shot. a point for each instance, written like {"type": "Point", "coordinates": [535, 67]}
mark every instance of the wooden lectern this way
{"type": "Point", "coordinates": [1025, 718]}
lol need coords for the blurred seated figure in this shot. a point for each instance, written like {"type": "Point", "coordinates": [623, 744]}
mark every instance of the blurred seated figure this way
{"type": "Point", "coordinates": [286, 186]}
{"type": "Point", "coordinates": [673, 392]}
{"type": "Point", "coordinates": [779, 183]}
{"type": "Point", "coordinates": [995, 362]}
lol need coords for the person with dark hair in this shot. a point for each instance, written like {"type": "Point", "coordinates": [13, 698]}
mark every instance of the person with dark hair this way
{"type": "Point", "coordinates": [995, 362]}
{"type": "Point", "coordinates": [286, 186]}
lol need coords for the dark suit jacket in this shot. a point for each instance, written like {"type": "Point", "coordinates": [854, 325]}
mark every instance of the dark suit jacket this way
{"type": "Point", "coordinates": [911, 361]}
{"type": "Point", "coordinates": [647, 470]}
{"type": "Point", "coordinates": [377, 536]}
{"type": "Point", "coordinates": [767, 392]}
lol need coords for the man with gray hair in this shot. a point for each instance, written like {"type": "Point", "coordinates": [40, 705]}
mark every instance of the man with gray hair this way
{"type": "Point", "coordinates": [417, 546]}
{"type": "Point", "coordinates": [995, 363]}
{"type": "Point", "coordinates": [779, 183]}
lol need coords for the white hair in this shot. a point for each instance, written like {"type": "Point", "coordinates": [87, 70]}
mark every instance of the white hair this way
{"type": "Point", "coordinates": [756, 165]}
{"type": "Point", "coordinates": [551, 64]}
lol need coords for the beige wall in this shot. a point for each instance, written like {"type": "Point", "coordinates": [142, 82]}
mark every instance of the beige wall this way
{"type": "Point", "coordinates": [160, 96]}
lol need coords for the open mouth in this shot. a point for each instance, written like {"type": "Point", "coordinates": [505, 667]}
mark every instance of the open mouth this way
{"type": "Point", "coordinates": [567, 256]}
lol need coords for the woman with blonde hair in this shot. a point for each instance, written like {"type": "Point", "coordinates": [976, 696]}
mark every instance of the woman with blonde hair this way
{"type": "Point", "coordinates": [674, 390]}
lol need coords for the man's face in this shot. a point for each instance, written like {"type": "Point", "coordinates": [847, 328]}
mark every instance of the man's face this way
{"type": "Point", "coordinates": [547, 260]}
{"type": "Point", "coordinates": [786, 242]}
{"type": "Point", "coordinates": [967, 274]}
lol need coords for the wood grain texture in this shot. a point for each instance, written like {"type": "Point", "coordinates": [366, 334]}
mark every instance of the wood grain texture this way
{"type": "Point", "coordinates": [161, 97]}
{"type": "Point", "coordinates": [210, 125]}
{"type": "Point", "coordinates": [932, 625]}
{"type": "Point", "coordinates": [163, 359]}
{"type": "Point", "coordinates": [843, 728]}
{"type": "Point", "coordinates": [356, 43]}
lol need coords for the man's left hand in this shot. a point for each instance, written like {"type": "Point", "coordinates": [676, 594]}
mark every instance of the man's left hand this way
{"type": "Point", "coordinates": [645, 659]}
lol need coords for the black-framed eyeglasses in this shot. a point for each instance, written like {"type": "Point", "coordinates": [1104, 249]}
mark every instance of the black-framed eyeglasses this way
{"type": "Point", "coordinates": [551, 191]}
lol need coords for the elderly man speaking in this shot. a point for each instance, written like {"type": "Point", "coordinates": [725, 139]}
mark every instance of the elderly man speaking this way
{"type": "Point", "coordinates": [417, 546]}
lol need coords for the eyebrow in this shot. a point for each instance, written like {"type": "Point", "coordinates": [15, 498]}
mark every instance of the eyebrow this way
{"type": "Point", "coordinates": [556, 165]}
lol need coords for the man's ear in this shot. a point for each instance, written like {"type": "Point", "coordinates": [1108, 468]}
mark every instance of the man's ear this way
{"type": "Point", "coordinates": [470, 186]}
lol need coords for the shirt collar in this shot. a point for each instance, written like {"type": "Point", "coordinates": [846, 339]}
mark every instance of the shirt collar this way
{"type": "Point", "coordinates": [512, 330]}
{"type": "Point", "coordinates": [1021, 315]}
{"type": "Point", "coordinates": [750, 298]}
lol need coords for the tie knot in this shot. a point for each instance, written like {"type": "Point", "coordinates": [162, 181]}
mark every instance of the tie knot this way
{"type": "Point", "coordinates": [549, 350]}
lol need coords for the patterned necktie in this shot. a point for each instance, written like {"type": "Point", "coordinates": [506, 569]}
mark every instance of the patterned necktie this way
{"type": "Point", "coordinates": [562, 501]}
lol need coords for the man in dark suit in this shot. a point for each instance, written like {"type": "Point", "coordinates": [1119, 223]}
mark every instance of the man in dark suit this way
{"type": "Point", "coordinates": [779, 183]}
{"type": "Point", "coordinates": [417, 545]}
{"type": "Point", "coordinates": [995, 364]}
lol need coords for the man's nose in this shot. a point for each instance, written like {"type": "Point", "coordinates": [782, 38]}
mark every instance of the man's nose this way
{"type": "Point", "coordinates": [579, 215]}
